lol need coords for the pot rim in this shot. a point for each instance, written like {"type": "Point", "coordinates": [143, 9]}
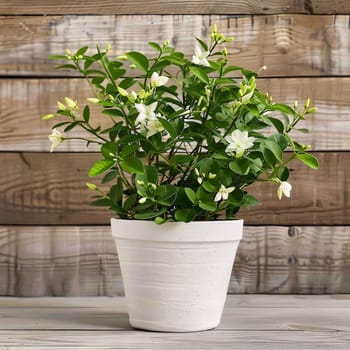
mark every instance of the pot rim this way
{"type": "Point", "coordinates": [194, 231]}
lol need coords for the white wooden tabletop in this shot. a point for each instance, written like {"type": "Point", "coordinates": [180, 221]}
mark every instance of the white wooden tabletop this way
{"type": "Point", "coordinates": [249, 322]}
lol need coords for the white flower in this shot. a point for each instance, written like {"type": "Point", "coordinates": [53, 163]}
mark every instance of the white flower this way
{"type": "Point", "coordinates": [146, 112]}
{"type": "Point", "coordinates": [153, 127]}
{"type": "Point", "coordinates": [223, 193]}
{"type": "Point", "coordinates": [284, 188]}
{"type": "Point", "coordinates": [158, 80]}
{"type": "Point", "coordinates": [239, 141]}
{"type": "Point", "coordinates": [56, 138]}
{"type": "Point", "coordinates": [200, 57]}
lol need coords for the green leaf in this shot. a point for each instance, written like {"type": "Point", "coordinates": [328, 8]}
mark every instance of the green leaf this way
{"type": "Point", "coordinates": [109, 150]}
{"type": "Point", "coordinates": [58, 57]}
{"type": "Point", "coordinates": [277, 124]}
{"type": "Point", "coordinates": [282, 173]}
{"type": "Point", "coordinates": [100, 166]}
{"type": "Point", "coordinates": [86, 113]}
{"type": "Point", "coordinates": [180, 159]}
{"type": "Point", "coordinates": [116, 192]}
{"type": "Point", "coordinates": [253, 109]}
{"type": "Point", "coordinates": [127, 83]}
{"type": "Point", "coordinates": [210, 186]}
{"type": "Point", "coordinates": [149, 215]}
{"type": "Point", "coordinates": [109, 176]}
{"type": "Point", "coordinates": [97, 80]}
{"type": "Point", "coordinates": [202, 43]}
{"type": "Point", "coordinates": [308, 159]}
{"type": "Point", "coordinates": [66, 66]}
{"type": "Point", "coordinates": [236, 197]}
{"type": "Point", "coordinates": [303, 130]}
{"type": "Point", "coordinates": [128, 150]}
{"type": "Point", "coordinates": [155, 46]}
{"type": "Point", "coordinates": [249, 200]}
{"type": "Point", "coordinates": [269, 157]}
{"type": "Point", "coordinates": [200, 74]}
{"type": "Point", "coordinates": [280, 139]}
{"type": "Point", "coordinates": [113, 112]}
{"type": "Point", "coordinates": [282, 108]}
{"type": "Point", "coordinates": [240, 166]}
{"type": "Point", "coordinates": [102, 202]}
{"type": "Point", "coordinates": [178, 61]}
{"type": "Point", "coordinates": [191, 195]}
{"type": "Point", "coordinates": [207, 205]}
{"type": "Point", "coordinates": [130, 201]}
{"type": "Point", "coordinates": [132, 165]}
{"type": "Point", "coordinates": [274, 148]}
{"type": "Point", "coordinates": [81, 51]}
{"type": "Point", "coordinates": [71, 126]}
{"type": "Point", "coordinates": [168, 127]}
{"type": "Point", "coordinates": [165, 194]}
{"type": "Point", "coordinates": [185, 215]}
{"type": "Point", "coordinates": [150, 174]}
{"type": "Point", "coordinates": [138, 59]}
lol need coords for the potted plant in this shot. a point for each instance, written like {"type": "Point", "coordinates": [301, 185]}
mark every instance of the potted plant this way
{"type": "Point", "coordinates": [185, 142]}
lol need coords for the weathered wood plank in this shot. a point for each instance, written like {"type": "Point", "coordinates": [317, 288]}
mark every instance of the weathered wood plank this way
{"type": "Point", "coordinates": [252, 321]}
{"type": "Point", "coordinates": [41, 188]}
{"type": "Point", "coordinates": [289, 45]}
{"type": "Point", "coordinates": [119, 7]}
{"type": "Point", "coordinates": [71, 314]}
{"type": "Point", "coordinates": [82, 261]}
{"type": "Point", "coordinates": [58, 261]}
{"type": "Point", "coordinates": [305, 337]}
{"type": "Point", "coordinates": [23, 101]}
{"type": "Point", "coordinates": [296, 259]}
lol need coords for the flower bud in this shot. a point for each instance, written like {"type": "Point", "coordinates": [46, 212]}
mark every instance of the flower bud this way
{"type": "Point", "coordinates": [152, 186]}
{"type": "Point", "coordinates": [93, 100]}
{"type": "Point", "coordinates": [70, 103]}
{"type": "Point", "coordinates": [91, 186]}
{"type": "Point", "coordinates": [48, 116]}
{"type": "Point", "coordinates": [61, 106]}
{"type": "Point", "coordinates": [122, 91]}
{"type": "Point", "coordinates": [312, 110]}
{"type": "Point", "coordinates": [307, 103]}
{"type": "Point", "coordinates": [142, 200]}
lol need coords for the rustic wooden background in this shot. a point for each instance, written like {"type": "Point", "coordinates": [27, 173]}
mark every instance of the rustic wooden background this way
{"type": "Point", "coordinates": [53, 243]}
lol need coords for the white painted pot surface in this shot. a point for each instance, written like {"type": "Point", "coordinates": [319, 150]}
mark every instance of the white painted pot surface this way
{"type": "Point", "coordinates": [176, 275]}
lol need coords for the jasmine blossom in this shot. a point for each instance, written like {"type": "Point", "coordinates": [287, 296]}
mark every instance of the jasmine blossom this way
{"type": "Point", "coordinates": [200, 57]}
{"type": "Point", "coordinates": [239, 142]}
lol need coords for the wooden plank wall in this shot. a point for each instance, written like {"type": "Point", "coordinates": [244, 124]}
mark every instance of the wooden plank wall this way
{"type": "Point", "coordinates": [53, 243]}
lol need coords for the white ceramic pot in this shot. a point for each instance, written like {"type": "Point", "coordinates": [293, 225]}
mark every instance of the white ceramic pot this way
{"type": "Point", "coordinates": [176, 275]}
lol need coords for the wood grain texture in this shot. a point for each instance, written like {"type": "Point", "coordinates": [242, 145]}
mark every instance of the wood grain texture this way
{"type": "Point", "coordinates": [58, 261]}
{"type": "Point", "coordinates": [44, 189]}
{"type": "Point", "coordinates": [249, 322]}
{"type": "Point", "coordinates": [119, 7]}
{"type": "Point", "coordinates": [82, 261]}
{"type": "Point", "coordinates": [24, 101]}
{"type": "Point", "coordinates": [289, 45]}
